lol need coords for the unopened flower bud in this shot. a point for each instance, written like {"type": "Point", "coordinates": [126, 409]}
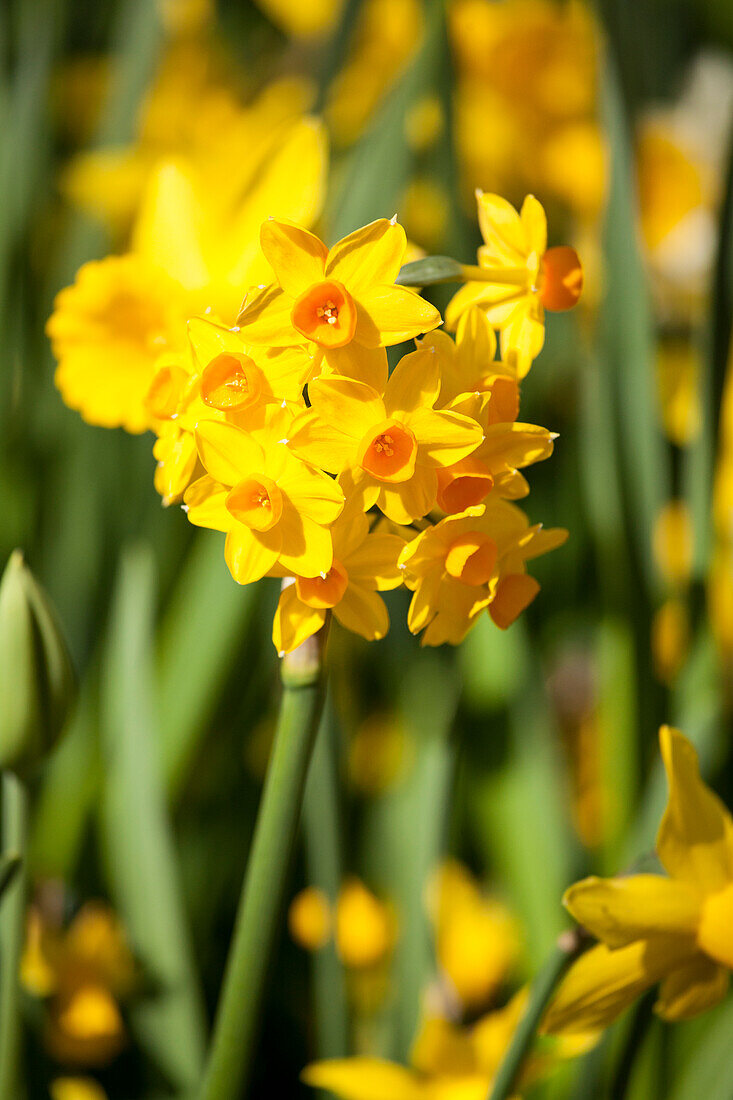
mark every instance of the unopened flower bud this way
{"type": "Point", "coordinates": [36, 677]}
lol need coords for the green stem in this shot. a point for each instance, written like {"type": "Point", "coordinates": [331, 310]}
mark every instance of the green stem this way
{"type": "Point", "coordinates": [257, 924]}
{"type": "Point", "coordinates": [569, 946]}
{"type": "Point", "coordinates": [12, 923]}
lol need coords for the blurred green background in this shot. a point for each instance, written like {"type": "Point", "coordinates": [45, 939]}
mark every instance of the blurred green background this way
{"type": "Point", "coordinates": [529, 755]}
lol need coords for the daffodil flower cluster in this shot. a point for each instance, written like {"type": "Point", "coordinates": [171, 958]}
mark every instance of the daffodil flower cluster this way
{"type": "Point", "coordinates": [287, 431]}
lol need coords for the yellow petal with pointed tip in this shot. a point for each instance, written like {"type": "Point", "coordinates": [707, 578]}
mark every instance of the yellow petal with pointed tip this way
{"type": "Point", "coordinates": [695, 838]}
{"type": "Point", "coordinates": [251, 556]}
{"type": "Point", "coordinates": [370, 255]}
{"type": "Point", "coordinates": [364, 1079]}
{"type": "Point", "coordinates": [413, 384]}
{"type": "Point", "coordinates": [226, 452]}
{"type": "Point", "coordinates": [390, 314]}
{"type": "Point", "coordinates": [691, 989]}
{"type": "Point", "coordinates": [296, 256]}
{"type": "Point", "coordinates": [620, 910]}
{"type": "Point", "coordinates": [294, 621]}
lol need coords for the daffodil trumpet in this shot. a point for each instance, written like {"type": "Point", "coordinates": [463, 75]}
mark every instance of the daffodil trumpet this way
{"type": "Point", "coordinates": [257, 923]}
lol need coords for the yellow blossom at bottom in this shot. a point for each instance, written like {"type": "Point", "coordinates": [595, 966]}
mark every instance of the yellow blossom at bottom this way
{"type": "Point", "coordinates": [76, 1088]}
{"type": "Point", "coordinates": [674, 930]}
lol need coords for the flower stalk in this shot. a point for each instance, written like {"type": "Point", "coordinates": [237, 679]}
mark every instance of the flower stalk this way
{"type": "Point", "coordinates": [12, 920]}
{"type": "Point", "coordinates": [257, 923]}
{"type": "Point", "coordinates": [569, 946]}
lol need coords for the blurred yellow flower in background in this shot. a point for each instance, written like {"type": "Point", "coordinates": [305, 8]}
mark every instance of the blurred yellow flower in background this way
{"type": "Point", "coordinates": [365, 927]}
{"type": "Point", "coordinates": [309, 20]}
{"type": "Point", "coordinates": [477, 938]}
{"type": "Point", "coordinates": [76, 1088]}
{"type": "Point", "coordinates": [675, 930]}
{"type": "Point", "coordinates": [672, 542]}
{"type": "Point", "coordinates": [83, 971]}
{"type": "Point", "coordinates": [309, 918]}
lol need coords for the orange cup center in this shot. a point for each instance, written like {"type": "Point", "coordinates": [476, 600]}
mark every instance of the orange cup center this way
{"type": "Point", "coordinates": [323, 592]}
{"type": "Point", "coordinates": [257, 502]}
{"type": "Point", "coordinates": [388, 452]}
{"type": "Point", "coordinates": [561, 278]}
{"type": "Point", "coordinates": [231, 381]}
{"type": "Point", "coordinates": [463, 485]}
{"type": "Point", "coordinates": [326, 314]}
{"type": "Point", "coordinates": [471, 558]}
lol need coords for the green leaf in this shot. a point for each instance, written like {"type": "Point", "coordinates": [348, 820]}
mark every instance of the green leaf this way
{"type": "Point", "coordinates": [708, 1071]}
{"type": "Point", "coordinates": [430, 270]}
{"type": "Point", "coordinates": [198, 644]}
{"type": "Point", "coordinates": [136, 839]}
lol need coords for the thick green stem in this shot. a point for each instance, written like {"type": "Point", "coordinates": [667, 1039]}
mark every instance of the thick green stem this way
{"type": "Point", "coordinates": [257, 924]}
{"type": "Point", "coordinates": [569, 945]}
{"type": "Point", "coordinates": [12, 922]}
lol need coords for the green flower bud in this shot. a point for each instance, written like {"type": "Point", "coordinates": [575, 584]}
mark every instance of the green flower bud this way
{"type": "Point", "coordinates": [36, 677]}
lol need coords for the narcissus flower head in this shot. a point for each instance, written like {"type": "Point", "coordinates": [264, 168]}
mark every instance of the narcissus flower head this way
{"type": "Point", "coordinates": [341, 299]}
{"type": "Point", "coordinates": [275, 508]}
{"type": "Point", "coordinates": [518, 277]}
{"type": "Point", "coordinates": [364, 564]}
{"type": "Point", "coordinates": [470, 562]}
{"type": "Point", "coordinates": [386, 443]}
{"type": "Point", "coordinates": [673, 929]}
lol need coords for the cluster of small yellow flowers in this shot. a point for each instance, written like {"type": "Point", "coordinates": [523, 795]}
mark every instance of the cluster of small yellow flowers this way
{"type": "Point", "coordinates": [288, 433]}
{"type": "Point", "coordinates": [363, 927]}
{"type": "Point", "coordinates": [653, 929]}
{"type": "Point", "coordinates": [83, 972]}
{"type": "Point", "coordinates": [319, 464]}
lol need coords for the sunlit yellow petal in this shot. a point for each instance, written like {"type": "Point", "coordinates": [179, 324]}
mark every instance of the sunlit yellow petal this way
{"type": "Point", "coordinates": [306, 546]}
{"type": "Point", "coordinates": [296, 256]}
{"type": "Point", "coordinates": [362, 364]}
{"type": "Point", "coordinates": [265, 319]}
{"type": "Point", "coordinates": [364, 1079]}
{"type": "Point", "coordinates": [370, 255]}
{"type": "Point", "coordinates": [294, 621]}
{"type": "Point", "coordinates": [363, 611]}
{"type": "Point", "coordinates": [226, 452]}
{"type": "Point", "coordinates": [691, 989]}
{"type": "Point", "coordinates": [390, 314]}
{"type": "Point", "coordinates": [205, 503]}
{"type": "Point", "coordinates": [695, 838]}
{"type": "Point", "coordinates": [504, 234]}
{"type": "Point", "coordinates": [350, 406]}
{"type": "Point", "coordinates": [444, 437]}
{"type": "Point", "coordinates": [374, 563]}
{"type": "Point", "coordinates": [413, 384]}
{"type": "Point", "coordinates": [250, 557]}
{"type": "Point", "coordinates": [620, 910]}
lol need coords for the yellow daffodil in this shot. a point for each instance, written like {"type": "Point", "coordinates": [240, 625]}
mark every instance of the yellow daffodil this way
{"type": "Point", "coordinates": [670, 639]}
{"type": "Point", "coordinates": [220, 378]}
{"type": "Point", "coordinates": [518, 277]}
{"type": "Point", "coordinates": [469, 562]}
{"type": "Point", "coordinates": [76, 1088]}
{"type": "Point", "coordinates": [192, 249]}
{"type": "Point", "coordinates": [477, 939]}
{"type": "Point", "coordinates": [447, 1063]}
{"type": "Point", "coordinates": [342, 300]}
{"type": "Point", "coordinates": [84, 971]}
{"type": "Point", "coordinates": [365, 926]}
{"type": "Point", "coordinates": [674, 930]}
{"type": "Point", "coordinates": [363, 565]}
{"type": "Point", "coordinates": [107, 332]}
{"type": "Point", "coordinates": [309, 918]}
{"type": "Point", "coordinates": [303, 20]}
{"type": "Point", "coordinates": [387, 445]}
{"type": "Point", "coordinates": [275, 509]}
{"type": "Point", "coordinates": [672, 542]}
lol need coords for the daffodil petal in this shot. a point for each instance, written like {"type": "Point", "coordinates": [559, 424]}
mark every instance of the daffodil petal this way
{"type": "Point", "coordinates": [695, 838]}
{"type": "Point", "coordinates": [413, 384]}
{"type": "Point", "coordinates": [444, 437]}
{"type": "Point", "coordinates": [294, 621]}
{"type": "Point", "coordinates": [470, 295]}
{"type": "Point", "coordinates": [504, 234]}
{"type": "Point", "coordinates": [205, 503]}
{"type": "Point", "coordinates": [374, 563]}
{"type": "Point", "coordinates": [693, 988]}
{"type": "Point", "coordinates": [364, 1079]}
{"type": "Point", "coordinates": [515, 445]}
{"type": "Point", "coordinates": [313, 493]}
{"type": "Point", "coordinates": [209, 339]}
{"type": "Point", "coordinates": [250, 556]}
{"type": "Point", "coordinates": [363, 612]}
{"type": "Point", "coordinates": [171, 225]}
{"type": "Point", "coordinates": [321, 443]}
{"type": "Point", "coordinates": [372, 254]}
{"type": "Point", "coordinates": [226, 452]}
{"type": "Point", "coordinates": [265, 319]}
{"type": "Point", "coordinates": [361, 364]}
{"type": "Point", "coordinates": [297, 257]}
{"type": "Point", "coordinates": [544, 540]}
{"type": "Point", "coordinates": [177, 460]}
{"type": "Point", "coordinates": [534, 222]}
{"type": "Point", "coordinates": [604, 982]}
{"type": "Point", "coordinates": [409, 500]}
{"type": "Point", "coordinates": [350, 406]}
{"type": "Point", "coordinates": [620, 910]}
{"type": "Point", "coordinates": [388, 315]}
{"type": "Point", "coordinates": [307, 549]}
